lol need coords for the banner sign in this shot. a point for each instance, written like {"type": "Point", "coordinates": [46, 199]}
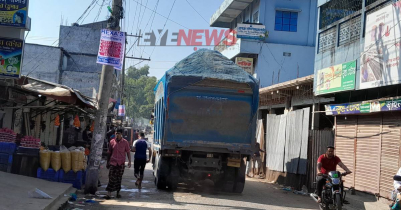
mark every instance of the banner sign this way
{"type": "Point", "coordinates": [245, 63]}
{"type": "Point", "coordinates": [111, 48]}
{"type": "Point", "coordinates": [336, 78]}
{"type": "Point", "coordinates": [380, 64]}
{"type": "Point", "coordinates": [251, 31]}
{"type": "Point", "coordinates": [121, 110]}
{"type": "Point", "coordinates": [13, 13]}
{"type": "Point", "coordinates": [364, 107]}
{"type": "Point", "coordinates": [10, 57]}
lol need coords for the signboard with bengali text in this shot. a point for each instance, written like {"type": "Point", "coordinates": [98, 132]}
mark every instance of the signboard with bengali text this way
{"type": "Point", "coordinates": [336, 78]}
{"type": "Point", "coordinates": [11, 57]}
{"type": "Point", "coordinates": [380, 59]}
{"type": "Point", "coordinates": [364, 107]}
{"type": "Point", "coordinates": [245, 63]}
{"type": "Point", "coordinates": [13, 13]}
{"type": "Point", "coordinates": [251, 31]}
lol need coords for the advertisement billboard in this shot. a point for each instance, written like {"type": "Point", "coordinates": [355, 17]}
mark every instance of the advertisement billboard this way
{"type": "Point", "coordinates": [111, 48]}
{"type": "Point", "coordinates": [251, 31]}
{"type": "Point", "coordinates": [10, 57]}
{"type": "Point", "coordinates": [13, 13]}
{"type": "Point", "coordinates": [364, 107]}
{"type": "Point", "coordinates": [380, 64]}
{"type": "Point", "coordinates": [336, 78]}
{"type": "Point", "coordinates": [245, 63]}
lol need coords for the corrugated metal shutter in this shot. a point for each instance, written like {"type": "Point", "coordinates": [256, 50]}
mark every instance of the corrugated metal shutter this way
{"type": "Point", "coordinates": [390, 152]}
{"type": "Point", "coordinates": [345, 144]}
{"type": "Point", "coordinates": [367, 175]}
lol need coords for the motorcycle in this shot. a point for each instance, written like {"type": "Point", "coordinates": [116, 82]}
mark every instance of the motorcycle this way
{"type": "Point", "coordinates": [332, 196]}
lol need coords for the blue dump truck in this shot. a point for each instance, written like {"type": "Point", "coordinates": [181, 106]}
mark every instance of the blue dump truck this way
{"type": "Point", "coordinates": [204, 122]}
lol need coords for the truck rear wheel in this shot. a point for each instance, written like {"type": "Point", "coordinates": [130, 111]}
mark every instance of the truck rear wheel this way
{"type": "Point", "coordinates": [161, 173]}
{"type": "Point", "coordinates": [240, 177]}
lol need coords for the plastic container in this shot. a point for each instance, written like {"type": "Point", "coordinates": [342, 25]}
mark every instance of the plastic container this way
{"type": "Point", "coordinates": [8, 148]}
{"type": "Point", "coordinates": [71, 177]}
{"type": "Point", "coordinates": [49, 175]}
{"type": "Point", "coordinates": [6, 158]}
{"type": "Point", "coordinates": [83, 177]}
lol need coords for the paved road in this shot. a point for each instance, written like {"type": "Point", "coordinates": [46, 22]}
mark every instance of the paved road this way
{"type": "Point", "coordinates": [256, 195]}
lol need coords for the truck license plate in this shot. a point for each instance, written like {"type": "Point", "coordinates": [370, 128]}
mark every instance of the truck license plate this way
{"type": "Point", "coordinates": [234, 163]}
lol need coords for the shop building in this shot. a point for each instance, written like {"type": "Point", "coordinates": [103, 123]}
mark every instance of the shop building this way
{"type": "Point", "coordinates": [357, 62]}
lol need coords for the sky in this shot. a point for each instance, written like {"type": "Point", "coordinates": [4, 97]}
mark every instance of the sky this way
{"type": "Point", "coordinates": [48, 15]}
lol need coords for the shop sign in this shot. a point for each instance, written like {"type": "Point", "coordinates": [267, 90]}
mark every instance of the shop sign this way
{"type": "Point", "coordinates": [111, 48]}
{"type": "Point", "coordinates": [13, 13]}
{"type": "Point", "coordinates": [245, 63]}
{"type": "Point", "coordinates": [364, 107]}
{"type": "Point", "coordinates": [380, 58]}
{"type": "Point", "coordinates": [336, 78]}
{"type": "Point", "coordinates": [10, 57]}
{"type": "Point", "coordinates": [251, 31]}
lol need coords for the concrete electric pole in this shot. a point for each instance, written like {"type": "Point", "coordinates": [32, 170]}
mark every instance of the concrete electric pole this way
{"type": "Point", "coordinates": [92, 171]}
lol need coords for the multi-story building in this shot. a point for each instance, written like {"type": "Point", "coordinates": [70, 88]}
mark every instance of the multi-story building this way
{"type": "Point", "coordinates": [357, 57]}
{"type": "Point", "coordinates": [287, 51]}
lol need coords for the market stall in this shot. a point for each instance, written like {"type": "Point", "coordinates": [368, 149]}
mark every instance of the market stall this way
{"type": "Point", "coordinates": [37, 118]}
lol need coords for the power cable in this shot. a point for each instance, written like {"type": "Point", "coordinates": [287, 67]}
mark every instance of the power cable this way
{"type": "Point", "coordinates": [164, 26]}
{"type": "Point", "coordinates": [162, 15]}
{"type": "Point", "coordinates": [197, 12]}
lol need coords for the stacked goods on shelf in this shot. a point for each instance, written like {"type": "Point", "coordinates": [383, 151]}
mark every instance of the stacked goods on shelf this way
{"type": "Point", "coordinates": [30, 142]}
{"type": "Point", "coordinates": [65, 159]}
{"type": "Point", "coordinates": [6, 156]}
{"type": "Point", "coordinates": [56, 160]}
{"type": "Point", "coordinates": [44, 159]}
{"type": "Point", "coordinates": [7, 135]}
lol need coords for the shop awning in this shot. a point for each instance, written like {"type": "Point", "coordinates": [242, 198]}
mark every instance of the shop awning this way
{"type": "Point", "coordinates": [56, 91]}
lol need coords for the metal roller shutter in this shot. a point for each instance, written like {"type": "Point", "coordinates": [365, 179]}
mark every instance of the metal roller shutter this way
{"type": "Point", "coordinates": [390, 151]}
{"type": "Point", "coordinates": [345, 144]}
{"type": "Point", "coordinates": [367, 175]}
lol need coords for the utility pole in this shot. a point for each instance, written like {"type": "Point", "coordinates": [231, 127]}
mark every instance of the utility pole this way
{"type": "Point", "coordinates": [92, 172]}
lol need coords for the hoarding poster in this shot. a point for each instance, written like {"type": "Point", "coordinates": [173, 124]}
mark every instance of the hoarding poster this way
{"type": "Point", "coordinates": [13, 13]}
{"type": "Point", "coordinates": [364, 107]}
{"type": "Point", "coordinates": [251, 31]}
{"type": "Point", "coordinates": [111, 48]}
{"type": "Point", "coordinates": [336, 78]}
{"type": "Point", "coordinates": [10, 57]}
{"type": "Point", "coordinates": [245, 63]}
{"type": "Point", "coordinates": [380, 64]}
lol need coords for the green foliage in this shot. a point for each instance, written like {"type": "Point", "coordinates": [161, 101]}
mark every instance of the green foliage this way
{"type": "Point", "coordinates": [139, 96]}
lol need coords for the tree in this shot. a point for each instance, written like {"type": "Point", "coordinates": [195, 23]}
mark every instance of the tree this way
{"type": "Point", "coordinates": [139, 96]}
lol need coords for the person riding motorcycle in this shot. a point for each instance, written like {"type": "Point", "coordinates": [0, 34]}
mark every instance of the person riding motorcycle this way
{"type": "Point", "coordinates": [326, 163]}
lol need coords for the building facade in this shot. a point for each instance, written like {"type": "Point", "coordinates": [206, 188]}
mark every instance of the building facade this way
{"type": "Point", "coordinates": [363, 34]}
{"type": "Point", "coordinates": [287, 52]}
{"type": "Point", "coordinates": [73, 62]}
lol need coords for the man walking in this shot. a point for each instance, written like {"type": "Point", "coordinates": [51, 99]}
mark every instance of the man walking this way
{"type": "Point", "coordinates": [119, 147]}
{"type": "Point", "coordinates": [256, 159]}
{"type": "Point", "coordinates": [140, 160]}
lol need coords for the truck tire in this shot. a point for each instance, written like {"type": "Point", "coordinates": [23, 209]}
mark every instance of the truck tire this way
{"type": "Point", "coordinates": [161, 173]}
{"type": "Point", "coordinates": [173, 177]}
{"type": "Point", "coordinates": [240, 178]}
{"type": "Point", "coordinates": [228, 182]}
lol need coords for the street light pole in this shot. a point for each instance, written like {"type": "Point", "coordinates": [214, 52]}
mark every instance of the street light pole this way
{"type": "Point", "coordinates": [92, 171]}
